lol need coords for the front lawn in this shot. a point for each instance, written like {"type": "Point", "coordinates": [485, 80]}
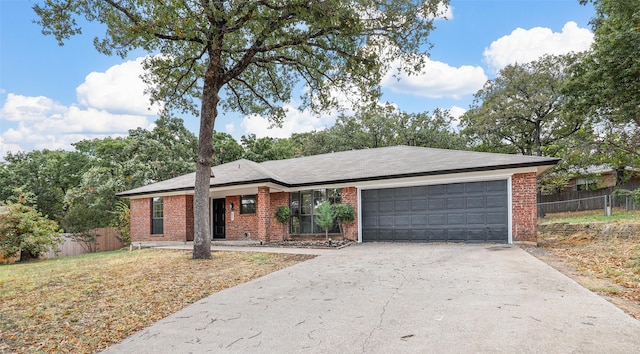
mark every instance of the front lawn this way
{"type": "Point", "coordinates": [84, 304]}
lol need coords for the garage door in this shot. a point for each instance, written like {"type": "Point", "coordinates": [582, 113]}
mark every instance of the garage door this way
{"type": "Point", "coordinates": [460, 212]}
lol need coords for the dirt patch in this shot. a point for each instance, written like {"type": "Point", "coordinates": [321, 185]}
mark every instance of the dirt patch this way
{"type": "Point", "coordinates": [604, 258]}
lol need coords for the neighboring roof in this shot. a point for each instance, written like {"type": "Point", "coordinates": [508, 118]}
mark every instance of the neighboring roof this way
{"type": "Point", "coordinates": [350, 166]}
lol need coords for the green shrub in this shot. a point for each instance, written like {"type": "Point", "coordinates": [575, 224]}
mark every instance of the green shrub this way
{"type": "Point", "coordinates": [24, 231]}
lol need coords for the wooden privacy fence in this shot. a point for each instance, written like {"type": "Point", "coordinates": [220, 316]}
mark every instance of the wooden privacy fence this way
{"type": "Point", "coordinates": [107, 240]}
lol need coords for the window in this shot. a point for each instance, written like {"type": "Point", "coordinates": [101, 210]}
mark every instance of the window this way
{"type": "Point", "coordinates": [157, 215]}
{"type": "Point", "coordinates": [303, 205]}
{"type": "Point", "coordinates": [585, 184]}
{"type": "Point", "coordinates": [248, 204]}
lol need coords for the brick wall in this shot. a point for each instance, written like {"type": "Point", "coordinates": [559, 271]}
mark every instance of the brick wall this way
{"type": "Point", "coordinates": [524, 211]}
{"type": "Point", "coordinates": [350, 196]}
{"type": "Point", "coordinates": [177, 224]}
{"type": "Point", "coordinates": [275, 231]}
{"type": "Point", "coordinates": [263, 213]}
{"type": "Point", "coordinates": [243, 226]}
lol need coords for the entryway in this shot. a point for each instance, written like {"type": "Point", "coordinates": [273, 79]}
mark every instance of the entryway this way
{"type": "Point", "coordinates": [218, 219]}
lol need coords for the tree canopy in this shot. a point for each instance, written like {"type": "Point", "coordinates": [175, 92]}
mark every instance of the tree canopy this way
{"type": "Point", "coordinates": [521, 110]}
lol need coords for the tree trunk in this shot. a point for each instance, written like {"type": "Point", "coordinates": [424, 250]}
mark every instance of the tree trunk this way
{"type": "Point", "coordinates": [208, 114]}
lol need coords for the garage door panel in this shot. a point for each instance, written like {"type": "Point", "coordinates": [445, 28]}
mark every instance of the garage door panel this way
{"type": "Point", "coordinates": [456, 235]}
{"type": "Point", "coordinates": [496, 218]}
{"type": "Point", "coordinates": [385, 221]}
{"type": "Point", "coordinates": [437, 235]}
{"type": "Point", "coordinates": [437, 219]}
{"type": "Point", "coordinates": [437, 203]}
{"type": "Point", "coordinates": [474, 187]}
{"type": "Point", "coordinates": [437, 190]}
{"type": "Point", "coordinates": [456, 219]}
{"type": "Point", "coordinates": [402, 206]}
{"type": "Point", "coordinates": [419, 205]}
{"type": "Point", "coordinates": [496, 202]}
{"type": "Point", "coordinates": [402, 193]}
{"type": "Point", "coordinates": [475, 202]}
{"type": "Point", "coordinates": [476, 218]}
{"type": "Point", "coordinates": [402, 235]}
{"type": "Point", "coordinates": [419, 221]}
{"type": "Point", "coordinates": [455, 203]}
{"type": "Point", "coordinates": [457, 188]}
{"type": "Point", "coordinates": [496, 186]}
{"type": "Point", "coordinates": [462, 212]}
{"type": "Point", "coordinates": [386, 206]}
{"type": "Point", "coordinates": [402, 221]}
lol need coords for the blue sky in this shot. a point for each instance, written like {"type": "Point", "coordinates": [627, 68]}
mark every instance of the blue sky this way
{"type": "Point", "coordinates": [52, 96]}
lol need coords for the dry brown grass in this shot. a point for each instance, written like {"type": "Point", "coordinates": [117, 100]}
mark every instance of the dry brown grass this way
{"type": "Point", "coordinates": [84, 304]}
{"type": "Point", "coordinates": [608, 265]}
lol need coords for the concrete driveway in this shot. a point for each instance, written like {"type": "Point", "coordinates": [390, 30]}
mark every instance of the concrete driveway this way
{"type": "Point", "coordinates": [400, 298]}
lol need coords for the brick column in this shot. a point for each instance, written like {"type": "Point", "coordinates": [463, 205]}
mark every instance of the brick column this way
{"type": "Point", "coordinates": [524, 210]}
{"type": "Point", "coordinates": [349, 195]}
{"type": "Point", "coordinates": [263, 213]}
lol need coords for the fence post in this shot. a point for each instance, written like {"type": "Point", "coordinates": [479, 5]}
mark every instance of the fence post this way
{"type": "Point", "coordinates": [607, 205]}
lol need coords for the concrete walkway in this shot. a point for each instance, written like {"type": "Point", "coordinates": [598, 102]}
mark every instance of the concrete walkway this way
{"type": "Point", "coordinates": [399, 298]}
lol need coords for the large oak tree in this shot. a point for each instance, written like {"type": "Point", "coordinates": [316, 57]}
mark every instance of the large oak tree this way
{"type": "Point", "coordinates": [521, 110]}
{"type": "Point", "coordinates": [250, 55]}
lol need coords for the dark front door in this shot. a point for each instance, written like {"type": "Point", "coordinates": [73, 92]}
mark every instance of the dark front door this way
{"type": "Point", "coordinates": [217, 218]}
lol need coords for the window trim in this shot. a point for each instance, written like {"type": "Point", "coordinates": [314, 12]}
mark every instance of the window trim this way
{"type": "Point", "coordinates": [243, 205]}
{"type": "Point", "coordinates": [157, 223]}
{"type": "Point", "coordinates": [333, 195]}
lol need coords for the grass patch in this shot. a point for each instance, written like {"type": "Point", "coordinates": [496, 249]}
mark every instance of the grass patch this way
{"type": "Point", "coordinates": [591, 216]}
{"type": "Point", "coordinates": [84, 304]}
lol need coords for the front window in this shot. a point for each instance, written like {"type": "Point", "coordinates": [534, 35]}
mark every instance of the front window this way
{"type": "Point", "coordinates": [303, 206]}
{"type": "Point", "coordinates": [248, 204]}
{"type": "Point", "coordinates": [157, 215]}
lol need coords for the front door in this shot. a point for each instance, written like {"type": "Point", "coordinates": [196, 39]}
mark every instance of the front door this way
{"type": "Point", "coordinates": [217, 218]}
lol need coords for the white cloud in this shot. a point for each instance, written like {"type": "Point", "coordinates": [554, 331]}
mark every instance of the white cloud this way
{"type": "Point", "coordinates": [118, 89]}
{"type": "Point", "coordinates": [109, 104]}
{"type": "Point", "coordinates": [437, 80]}
{"type": "Point", "coordinates": [524, 46]}
{"type": "Point", "coordinates": [457, 112]}
{"type": "Point", "coordinates": [295, 121]}
{"type": "Point", "coordinates": [24, 108]}
{"type": "Point", "coordinates": [229, 128]}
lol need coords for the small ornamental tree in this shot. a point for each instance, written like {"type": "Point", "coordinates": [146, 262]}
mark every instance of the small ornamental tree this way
{"type": "Point", "coordinates": [345, 213]}
{"type": "Point", "coordinates": [283, 213]}
{"type": "Point", "coordinates": [26, 232]}
{"type": "Point", "coordinates": [325, 217]}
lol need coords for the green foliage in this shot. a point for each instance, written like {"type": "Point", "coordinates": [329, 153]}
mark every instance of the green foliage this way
{"type": "Point", "coordinates": [345, 214]}
{"type": "Point", "coordinates": [266, 149]}
{"type": "Point", "coordinates": [521, 110]}
{"type": "Point", "coordinates": [123, 222]}
{"type": "Point", "coordinates": [226, 148]}
{"type": "Point", "coordinates": [283, 214]}
{"type": "Point", "coordinates": [24, 231]}
{"type": "Point", "coordinates": [604, 86]}
{"type": "Point", "coordinates": [45, 174]}
{"type": "Point", "coordinates": [324, 216]}
{"type": "Point", "coordinates": [380, 126]}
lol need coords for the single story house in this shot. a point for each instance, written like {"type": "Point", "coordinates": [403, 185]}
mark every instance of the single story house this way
{"type": "Point", "coordinates": [599, 177]}
{"type": "Point", "coordinates": [399, 193]}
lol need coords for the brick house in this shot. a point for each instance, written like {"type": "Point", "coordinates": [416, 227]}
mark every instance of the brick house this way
{"type": "Point", "coordinates": [399, 193]}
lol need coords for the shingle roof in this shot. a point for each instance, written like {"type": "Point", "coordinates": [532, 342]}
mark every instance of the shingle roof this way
{"type": "Point", "coordinates": [350, 166]}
